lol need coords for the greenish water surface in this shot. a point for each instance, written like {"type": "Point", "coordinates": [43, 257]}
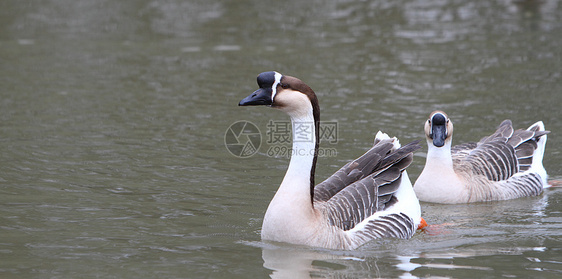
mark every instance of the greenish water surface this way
{"type": "Point", "coordinates": [113, 117]}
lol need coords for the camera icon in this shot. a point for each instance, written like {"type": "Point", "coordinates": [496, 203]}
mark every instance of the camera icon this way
{"type": "Point", "coordinates": [242, 139]}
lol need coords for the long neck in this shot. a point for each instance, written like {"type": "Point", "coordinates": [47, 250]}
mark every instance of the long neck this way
{"type": "Point", "coordinates": [299, 179]}
{"type": "Point", "coordinates": [441, 181]}
{"type": "Point", "coordinates": [440, 157]}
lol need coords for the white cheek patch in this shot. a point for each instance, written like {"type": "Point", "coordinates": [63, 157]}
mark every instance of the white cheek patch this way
{"type": "Point", "coordinates": [274, 86]}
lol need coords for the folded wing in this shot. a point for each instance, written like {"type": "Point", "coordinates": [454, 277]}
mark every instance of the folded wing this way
{"type": "Point", "coordinates": [375, 177]}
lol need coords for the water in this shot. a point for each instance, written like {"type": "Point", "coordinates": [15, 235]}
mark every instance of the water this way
{"type": "Point", "coordinates": [113, 116]}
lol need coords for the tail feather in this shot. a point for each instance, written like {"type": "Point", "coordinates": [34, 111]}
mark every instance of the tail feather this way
{"type": "Point", "coordinates": [538, 155]}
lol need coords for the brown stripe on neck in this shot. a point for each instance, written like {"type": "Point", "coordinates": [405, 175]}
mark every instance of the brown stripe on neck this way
{"type": "Point", "coordinates": [298, 85]}
{"type": "Point", "coordinates": [316, 114]}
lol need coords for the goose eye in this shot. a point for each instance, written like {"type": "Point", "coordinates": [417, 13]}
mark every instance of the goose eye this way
{"type": "Point", "coordinates": [284, 85]}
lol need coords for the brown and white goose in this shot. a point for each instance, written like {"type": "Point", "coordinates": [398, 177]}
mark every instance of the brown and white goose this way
{"type": "Point", "coordinates": [505, 165]}
{"type": "Point", "coordinates": [370, 197]}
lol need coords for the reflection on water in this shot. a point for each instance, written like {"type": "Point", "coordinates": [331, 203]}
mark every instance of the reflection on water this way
{"type": "Point", "coordinates": [286, 261]}
{"type": "Point", "coordinates": [476, 241]}
{"type": "Point", "coordinates": [299, 262]}
{"type": "Point", "coordinates": [291, 263]}
{"type": "Point", "coordinates": [113, 114]}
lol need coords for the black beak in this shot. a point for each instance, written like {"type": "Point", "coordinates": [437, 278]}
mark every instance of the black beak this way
{"type": "Point", "coordinates": [438, 129]}
{"type": "Point", "coordinates": [260, 97]}
{"type": "Point", "coordinates": [439, 134]}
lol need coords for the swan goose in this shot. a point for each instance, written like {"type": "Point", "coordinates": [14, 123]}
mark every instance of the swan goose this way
{"type": "Point", "coordinates": [502, 166]}
{"type": "Point", "coordinates": [369, 198]}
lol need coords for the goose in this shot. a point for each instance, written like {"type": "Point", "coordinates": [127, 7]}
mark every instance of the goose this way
{"type": "Point", "coordinates": [368, 198]}
{"type": "Point", "coordinates": [502, 166]}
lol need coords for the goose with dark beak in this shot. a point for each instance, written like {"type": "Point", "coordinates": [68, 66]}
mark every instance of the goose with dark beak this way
{"type": "Point", "coordinates": [368, 198]}
{"type": "Point", "coordinates": [504, 165]}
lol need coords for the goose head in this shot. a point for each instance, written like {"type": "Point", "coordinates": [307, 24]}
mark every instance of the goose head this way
{"type": "Point", "coordinates": [286, 93]}
{"type": "Point", "coordinates": [438, 129]}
